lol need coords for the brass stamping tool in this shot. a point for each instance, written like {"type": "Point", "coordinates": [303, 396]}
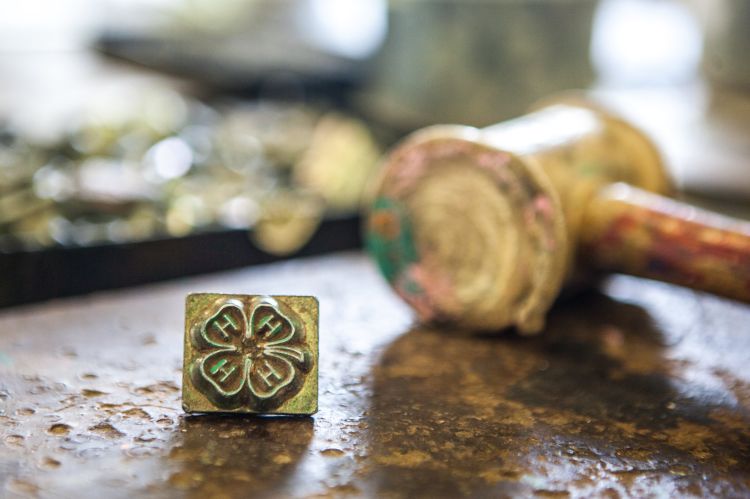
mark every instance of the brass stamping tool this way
{"type": "Point", "coordinates": [251, 354]}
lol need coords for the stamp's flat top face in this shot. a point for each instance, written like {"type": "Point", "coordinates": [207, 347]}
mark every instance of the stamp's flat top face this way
{"type": "Point", "coordinates": [248, 353]}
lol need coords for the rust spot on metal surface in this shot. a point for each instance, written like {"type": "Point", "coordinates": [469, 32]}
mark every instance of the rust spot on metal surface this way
{"type": "Point", "coordinates": [50, 463]}
{"type": "Point", "coordinates": [87, 392]}
{"type": "Point", "coordinates": [137, 413]}
{"type": "Point", "coordinates": [331, 452]}
{"type": "Point", "coordinates": [59, 429]}
{"type": "Point", "coordinates": [106, 430]}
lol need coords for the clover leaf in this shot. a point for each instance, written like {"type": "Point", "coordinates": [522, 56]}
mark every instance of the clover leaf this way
{"type": "Point", "coordinates": [257, 356]}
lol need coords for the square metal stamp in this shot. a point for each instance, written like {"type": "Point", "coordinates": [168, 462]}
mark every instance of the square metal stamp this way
{"type": "Point", "coordinates": [250, 354]}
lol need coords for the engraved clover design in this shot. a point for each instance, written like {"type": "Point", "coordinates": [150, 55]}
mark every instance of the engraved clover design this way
{"type": "Point", "coordinates": [265, 353]}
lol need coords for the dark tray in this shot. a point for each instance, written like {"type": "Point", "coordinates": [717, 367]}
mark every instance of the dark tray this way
{"type": "Point", "coordinates": [30, 276]}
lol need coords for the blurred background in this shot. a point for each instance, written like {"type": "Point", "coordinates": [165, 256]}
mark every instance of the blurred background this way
{"type": "Point", "coordinates": [149, 139]}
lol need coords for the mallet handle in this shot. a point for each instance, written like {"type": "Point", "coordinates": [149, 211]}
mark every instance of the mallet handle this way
{"type": "Point", "coordinates": [632, 231]}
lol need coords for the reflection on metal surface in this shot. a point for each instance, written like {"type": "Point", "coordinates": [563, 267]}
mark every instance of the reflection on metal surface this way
{"type": "Point", "coordinates": [217, 456]}
{"type": "Point", "coordinates": [595, 405]}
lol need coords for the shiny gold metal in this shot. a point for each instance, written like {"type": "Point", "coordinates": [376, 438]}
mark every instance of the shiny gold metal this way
{"type": "Point", "coordinates": [341, 158]}
{"type": "Point", "coordinates": [250, 354]}
{"type": "Point", "coordinates": [288, 220]}
{"type": "Point", "coordinates": [171, 166]}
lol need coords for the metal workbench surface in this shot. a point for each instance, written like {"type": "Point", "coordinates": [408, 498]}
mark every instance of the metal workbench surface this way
{"type": "Point", "coordinates": [642, 389]}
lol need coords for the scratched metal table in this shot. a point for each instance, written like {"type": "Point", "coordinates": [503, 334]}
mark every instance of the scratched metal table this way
{"type": "Point", "coordinates": [642, 389]}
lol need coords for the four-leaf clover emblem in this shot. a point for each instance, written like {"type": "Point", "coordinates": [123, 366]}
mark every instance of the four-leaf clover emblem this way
{"type": "Point", "coordinates": [252, 353]}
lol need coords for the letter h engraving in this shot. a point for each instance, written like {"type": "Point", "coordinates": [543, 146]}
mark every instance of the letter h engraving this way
{"type": "Point", "coordinates": [228, 323]}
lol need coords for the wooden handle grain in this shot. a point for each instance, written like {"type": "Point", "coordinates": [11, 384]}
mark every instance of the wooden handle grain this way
{"type": "Point", "coordinates": [632, 231]}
